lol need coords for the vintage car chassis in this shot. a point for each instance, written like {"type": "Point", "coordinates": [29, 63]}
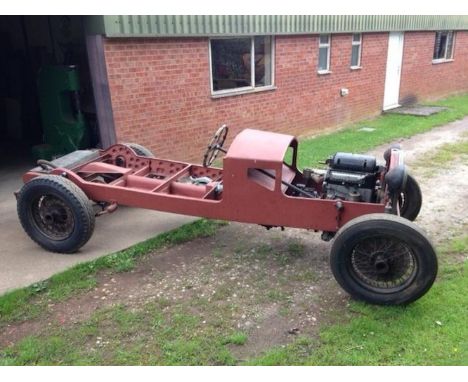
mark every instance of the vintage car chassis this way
{"type": "Point", "coordinates": [256, 185]}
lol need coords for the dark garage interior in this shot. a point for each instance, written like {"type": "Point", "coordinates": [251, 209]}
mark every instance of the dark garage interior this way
{"type": "Point", "coordinates": [45, 88]}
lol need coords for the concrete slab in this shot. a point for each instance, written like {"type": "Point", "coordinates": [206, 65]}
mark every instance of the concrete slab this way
{"type": "Point", "coordinates": [418, 110]}
{"type": "Point", "coordinates": [23, 262]}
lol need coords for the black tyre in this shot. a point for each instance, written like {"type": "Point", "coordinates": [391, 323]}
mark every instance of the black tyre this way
{"type": "Point", "coordinates": [56, 213]}
{"type": "Point", "coordinates": [383, 259]}
{"type": "Point", "coordinates": [140, 150]}
{"type": "Point", "coordinates": [410, 199]}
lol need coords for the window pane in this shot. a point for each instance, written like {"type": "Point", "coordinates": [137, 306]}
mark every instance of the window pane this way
{"type": "Point", "coordinates": [356, 37]}
{"type": "Point", "coordinates": [355, 52]}
{"type": "Point", "coordinates": [263, 61]}
{"type": "Point", "coordinates": [324, 38]}
{"type": "Point", "coordinates": [440, 45]}
{"type": "Point", "coordinates": [436, 46]}
{"type": "Point", "coordinates": [323, 58]}
{"type": "Point", "coordinates": [449, 45]}
{"type": "Point", "coordinates": [230, 60]}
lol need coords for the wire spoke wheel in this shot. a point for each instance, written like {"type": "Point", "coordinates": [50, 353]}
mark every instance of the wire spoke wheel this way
{"type": "Point", "coordinates": [383, 263]}
{"type": "Point", "coordinates": [383, 259]}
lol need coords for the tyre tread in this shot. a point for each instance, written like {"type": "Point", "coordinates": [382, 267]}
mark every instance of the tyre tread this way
{"type": "Point", "coordinates": [413, 208]}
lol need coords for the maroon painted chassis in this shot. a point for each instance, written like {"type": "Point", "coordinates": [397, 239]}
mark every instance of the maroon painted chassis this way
{"type": "Point", "coordinates": [247, 195]}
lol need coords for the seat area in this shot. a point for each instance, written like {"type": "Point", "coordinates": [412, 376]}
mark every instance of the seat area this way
{"type": "Point", "coordinates": [266, 177]}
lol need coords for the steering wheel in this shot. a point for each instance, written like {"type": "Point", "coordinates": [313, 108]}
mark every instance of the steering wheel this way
{"type": "Point", "coordinates": [215, 146]}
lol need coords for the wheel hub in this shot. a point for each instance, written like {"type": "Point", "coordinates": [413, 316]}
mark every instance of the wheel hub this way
{"type": "Point", "coordinates": [49, 218]}
{"type": "Point", "coordinates": [53, 217]}
{"type": "Point", "coordinates": [381, 265]}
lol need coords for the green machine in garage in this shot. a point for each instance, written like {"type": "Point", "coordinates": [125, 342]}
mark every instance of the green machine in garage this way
{"type": "Point", "coordinates": [64, 127]}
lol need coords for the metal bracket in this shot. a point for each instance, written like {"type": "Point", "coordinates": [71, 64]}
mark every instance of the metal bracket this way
{"type": "Point", "coordinates": [339, 209]}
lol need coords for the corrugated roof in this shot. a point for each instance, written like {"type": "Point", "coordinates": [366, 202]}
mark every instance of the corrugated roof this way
{"type": "Point", "coordinates": [229, 25]}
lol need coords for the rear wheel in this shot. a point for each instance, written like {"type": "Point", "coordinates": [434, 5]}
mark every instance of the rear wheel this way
{"type": "Point", "coordinates": [140, 150]}
{"type": "Point", "coordinates": [410, 199]}
{"type": "Point", "coordinates": [56, 213]}
{"type": "Point", "coordinates": [383, 259]}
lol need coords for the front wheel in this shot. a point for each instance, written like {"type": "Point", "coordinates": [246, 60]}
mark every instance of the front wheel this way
{"type": "Point", "coordinates": [410, 199]}
{"type": "Point", "coordinates": [383, 259]}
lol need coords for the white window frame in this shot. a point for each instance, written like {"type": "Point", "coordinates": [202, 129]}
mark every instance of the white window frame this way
{"type": "Point", "coordinates": [328, 46]}
{"type": "Point", "coordinates": [444, 59]}
{"type": "Point", "coordinates": [354, 43]}
{"type": "Point", "coordinates": [245, 89]}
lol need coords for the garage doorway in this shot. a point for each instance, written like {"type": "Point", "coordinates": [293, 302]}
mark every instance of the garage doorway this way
{"type": "Point", "coordinates": [32, 46]}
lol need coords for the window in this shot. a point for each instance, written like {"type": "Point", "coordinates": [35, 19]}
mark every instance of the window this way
{"type": "Point", "coordinates": [356, 50]}
{"type": "Point", "coordinates": [324, 53]}
{"type": "Point", "coordinates": [443, 47]}
{"type": "Point", "coordinates": [241, 64]}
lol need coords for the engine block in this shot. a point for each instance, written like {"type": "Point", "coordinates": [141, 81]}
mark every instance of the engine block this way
{"type": "Point", "coordinates": [351, 177]}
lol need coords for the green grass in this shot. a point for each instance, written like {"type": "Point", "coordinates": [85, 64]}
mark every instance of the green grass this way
{"type": "Point", "coordinates": [150, 335]}
{"type": "Point", "coordinates": [431, 331]}
{"type": "Point", "coordinates": [290, 355]}
{"type": "Point", "coordinates": [459, 245]}
{"type": "Point", "coordinates": [16, 305]}
{"type": "Point", "coordinates": [388, 128]}
{"type": "Point", "coordinates": [237, 338]}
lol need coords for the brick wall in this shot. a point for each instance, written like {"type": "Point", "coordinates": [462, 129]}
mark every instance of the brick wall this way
{"type": "Point", "coordinates": [161, 97]}
{"type": "Point", "coordinates": [421, 79]}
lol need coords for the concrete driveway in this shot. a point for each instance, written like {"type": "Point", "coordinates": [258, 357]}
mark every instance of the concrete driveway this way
{"type": "Point", "coordinates": [23, 262]}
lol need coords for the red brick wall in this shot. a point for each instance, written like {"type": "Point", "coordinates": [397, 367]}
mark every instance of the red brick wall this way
{"type": "Point", "coordinates": [160, 91]}
{"type": "Point", "coordinates": [421, 79]}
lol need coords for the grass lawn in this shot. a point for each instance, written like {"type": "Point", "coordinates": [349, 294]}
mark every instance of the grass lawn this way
{"type": "Point", "coordinates": [432, 330]}
{"type": "Point", "coordinates": [117, 336]}
{"type": "Point", "coordinates": [387, 128]}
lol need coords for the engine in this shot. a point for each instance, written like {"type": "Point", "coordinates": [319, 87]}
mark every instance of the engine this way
{"type": "Point", "coordinates": [351, 177]}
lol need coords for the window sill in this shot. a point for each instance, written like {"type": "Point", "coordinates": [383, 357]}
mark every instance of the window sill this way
{"type": "Point", "coordinates": [323, 72]}
{"type": "Point", "coordinates": [355, 67]}
{"type": "Point", "coordinates": [230, 93]}
{"type": "Point", "coordinates": [441, 61]}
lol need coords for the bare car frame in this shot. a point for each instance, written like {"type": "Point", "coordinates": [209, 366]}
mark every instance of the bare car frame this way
{"type": "Point", "coordinates": [378, 254]}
